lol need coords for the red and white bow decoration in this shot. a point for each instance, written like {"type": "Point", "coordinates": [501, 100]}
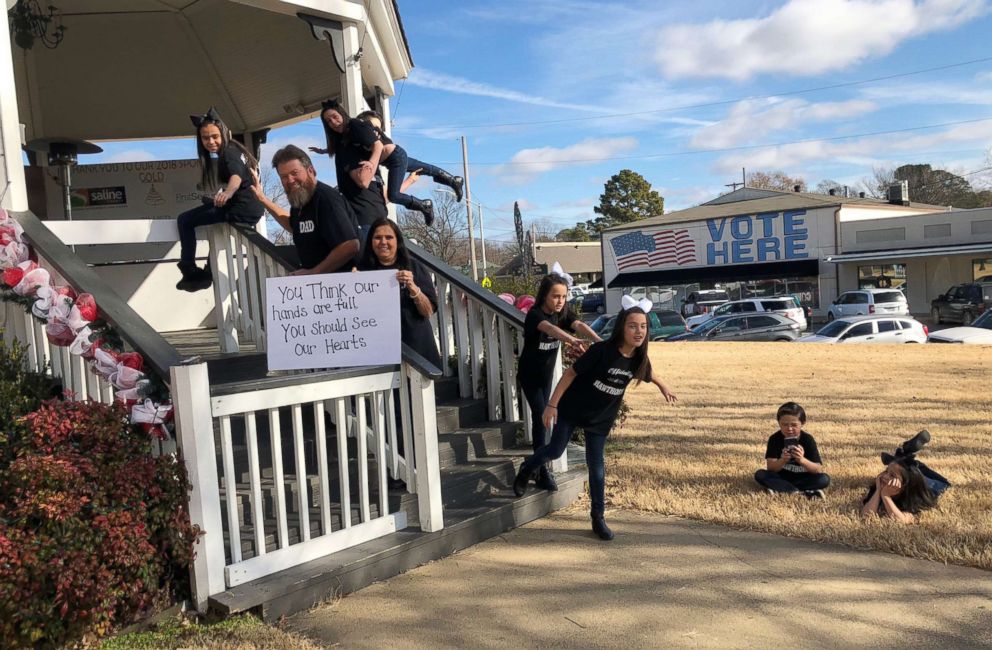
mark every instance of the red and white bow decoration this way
{"type": "Point", "coordinates": [643, 304]}
{"type": "Point", "coordinates": [68, 319]}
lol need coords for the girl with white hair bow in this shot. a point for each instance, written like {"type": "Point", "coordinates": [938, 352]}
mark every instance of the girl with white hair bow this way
{"type": "Point", "coordinates": [549, 323]}
{"type": "Point", "coordinates": [589, 396]}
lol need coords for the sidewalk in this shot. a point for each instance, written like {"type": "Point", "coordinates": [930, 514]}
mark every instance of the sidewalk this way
{"type": "Point", "coordinates": [664, 582]}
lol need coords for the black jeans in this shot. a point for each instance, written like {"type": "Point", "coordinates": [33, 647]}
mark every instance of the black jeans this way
{"type": "Point", "coordinates": [791, 481]}
{"type": "Point", "coordinates": [187, 222]}
{"type": "Point", "coordinates": [595, 446]}
{"type": "Point", "coordinates": [537, 397]}
{"type": "Point", "coordinates": [204, 215]}
{"type": "Point", "coordinates": [398, 165]}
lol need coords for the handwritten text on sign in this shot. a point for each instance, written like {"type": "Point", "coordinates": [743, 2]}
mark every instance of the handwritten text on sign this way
{"type": "Point", "coordinates": [334, 320]}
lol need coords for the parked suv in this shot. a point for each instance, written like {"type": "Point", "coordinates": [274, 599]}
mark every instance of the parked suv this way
{"type": "Point", "coordinates": [865, 302]}
{"type": "Point", "coordinates": [962, 303]}
{"type": "Point", "coordinates": [786, 305]}
{"type": "Point", "coordinates": [700, 302]}
{"type": "Point", "coordinates": [739, 327]}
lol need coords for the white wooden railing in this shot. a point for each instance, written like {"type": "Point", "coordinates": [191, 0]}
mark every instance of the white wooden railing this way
{"type": "Point", "coordinates": [484, 336]}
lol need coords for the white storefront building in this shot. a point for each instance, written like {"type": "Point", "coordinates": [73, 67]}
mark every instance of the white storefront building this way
{"type": "Point", "coordinates": [749, 241]}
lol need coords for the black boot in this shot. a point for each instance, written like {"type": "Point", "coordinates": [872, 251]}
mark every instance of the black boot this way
{"type": "Point", "coordinates": [454, 182]}
{"type": "Point", "coordinates": [916, 443]}
{"type": "Point", "coordinates": [425, 206]}
{"type": "Point", "coordinates": [520, 482]}
{"type": "Point", "coordinates": [600, 528]}
{"type": "Point", "coordinates": [546, 480]}
{"type": "Point", "coordinates": [194, 278]}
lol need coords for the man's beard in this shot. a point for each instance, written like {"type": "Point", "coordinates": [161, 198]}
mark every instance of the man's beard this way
{"type": "Point", "coordinates": [300, 195]}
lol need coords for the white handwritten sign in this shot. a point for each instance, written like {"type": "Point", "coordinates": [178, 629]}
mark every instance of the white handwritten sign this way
{"type": "Point", "coordinates": [335, 320]}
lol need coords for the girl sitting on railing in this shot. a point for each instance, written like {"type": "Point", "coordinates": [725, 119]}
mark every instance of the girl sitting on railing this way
{"type": "Point", "coordinates": [589, 396]}
{"type": "Point", "coordinates": [226, 165]}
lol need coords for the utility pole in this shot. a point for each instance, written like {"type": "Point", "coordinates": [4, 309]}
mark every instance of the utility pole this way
{"type": "Point", "coordinates": [468, 212]}
{"type": "Point", "coordinates": [482, 236]}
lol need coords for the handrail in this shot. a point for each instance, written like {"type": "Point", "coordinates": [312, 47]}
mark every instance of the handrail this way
{"type": "Point", "coordinates": [420, 364]}
{"type": "Point", "coordinates": [265, 245]}
{"type": "Point", "coordinates": [159, 354]}
{"type": "Point", "coordinates": [456, 277]}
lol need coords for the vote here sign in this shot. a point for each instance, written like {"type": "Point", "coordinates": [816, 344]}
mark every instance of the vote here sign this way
{"type": "Point", "coordinates": [334, 320]}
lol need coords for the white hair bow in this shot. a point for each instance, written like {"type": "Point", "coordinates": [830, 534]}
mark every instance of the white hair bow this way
{"type": "Point", "coordinates": [560, 272]}
{"type": "Point", "coordinates": [644, 304]}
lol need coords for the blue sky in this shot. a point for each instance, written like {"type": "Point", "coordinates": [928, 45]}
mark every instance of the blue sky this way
{"type": "Point", "coordinates": [544, 91]}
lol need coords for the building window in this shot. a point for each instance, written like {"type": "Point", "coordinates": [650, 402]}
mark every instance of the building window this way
{"type": "Point", "coordinates": [982, 270]}
{"type": "Point", "coordinates": [981, 227]}
{"type": "Point", "coordinates": [807, 290]}
{"type": "Point", "coordinates": [937, 230]}
{"type": "Point", "coordinates": [882, 276]}
{"type": "Point", "coordinates": [885, 234]}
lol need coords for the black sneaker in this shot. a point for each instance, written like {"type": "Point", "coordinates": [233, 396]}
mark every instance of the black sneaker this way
{"type": "Point", "coordinates": [814, 494]}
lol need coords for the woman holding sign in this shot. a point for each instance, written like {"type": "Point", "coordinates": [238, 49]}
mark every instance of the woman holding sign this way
{"type": "Point", "coordinates": [589, 396]}
{"type": "Point", "coordinates": [385, 249]}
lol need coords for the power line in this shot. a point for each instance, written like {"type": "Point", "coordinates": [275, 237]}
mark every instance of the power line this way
{"type": "Point", "coordinates": [744, 147]}
{"type": "Point", "coordinates": [724, 102]}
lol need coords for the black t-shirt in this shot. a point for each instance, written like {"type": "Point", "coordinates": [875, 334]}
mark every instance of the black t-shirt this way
{"type": "Point", "coordinates": [776, 443]}
{"type": "Point", "coordinates": [537, 359]}
{"type": "Point", "coordinates": [415, 330]}
{"type": "Point", "coordinates": [233, 162]}
{"type": "Point", "coordinates": [367, 203]}
{"type": "Point", "coordinates": [321, 225]}
{"type": "Point", "coordinates": [595, 395]}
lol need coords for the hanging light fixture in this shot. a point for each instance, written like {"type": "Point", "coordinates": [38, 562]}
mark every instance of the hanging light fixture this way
{"type": "Point", "coordinates": [29, 22]}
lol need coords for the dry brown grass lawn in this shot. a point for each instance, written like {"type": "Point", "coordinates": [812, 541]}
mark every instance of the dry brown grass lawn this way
{"type": "Point", "coordinates": [697, 459]}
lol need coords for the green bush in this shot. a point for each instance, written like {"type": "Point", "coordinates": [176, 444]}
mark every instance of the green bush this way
{"type": "Point", "coordinates": [94, 529]}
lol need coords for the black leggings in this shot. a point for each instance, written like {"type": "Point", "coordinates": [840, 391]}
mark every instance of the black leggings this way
{"type": "Point", "coordinates": [537, 396]}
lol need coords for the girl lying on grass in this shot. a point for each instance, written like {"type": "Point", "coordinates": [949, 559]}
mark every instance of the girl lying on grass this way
{"type": "Point", "coordinates": [906, 487]}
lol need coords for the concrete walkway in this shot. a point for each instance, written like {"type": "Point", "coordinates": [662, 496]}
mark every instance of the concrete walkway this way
{"type": "Point", "coordinates": [663, 583]}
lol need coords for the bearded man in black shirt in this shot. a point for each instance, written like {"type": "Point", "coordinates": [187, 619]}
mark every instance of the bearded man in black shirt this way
{"type": "Point", "coordinates": [320, 219]}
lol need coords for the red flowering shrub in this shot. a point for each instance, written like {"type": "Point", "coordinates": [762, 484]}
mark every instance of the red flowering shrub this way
{"type": "Point", "coordinates": [93, 529]}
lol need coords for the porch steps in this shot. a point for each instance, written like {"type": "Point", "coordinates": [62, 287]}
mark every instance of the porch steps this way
{"type": "Point", "coordinates": [478, 459]}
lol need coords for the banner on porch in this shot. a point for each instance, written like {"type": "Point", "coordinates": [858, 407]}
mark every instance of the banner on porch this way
{"type": "Point", "coordinates": [335, 320]}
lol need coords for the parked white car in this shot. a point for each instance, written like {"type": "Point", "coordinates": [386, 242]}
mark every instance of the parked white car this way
{"type": "Point", "coordinates": [870, 329]}
{"type": "Point", "coordinates": [979, 332]}
{"type": "Point", "coordinates": [786, 306]}
{"type": "Point", "coordinates": [865, 302]}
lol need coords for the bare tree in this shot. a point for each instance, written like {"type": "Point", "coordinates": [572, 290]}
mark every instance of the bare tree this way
{"type": "Point", "coordinates": [776, 180]}
{"type": "Point", "coordinates": [447, 237]}
{"type": "Point", "coordinates": [545, 229]}
{"type": "Point", "coordinates": [877, 185]}
{"type": "Point", "coordinates": [273, 189]}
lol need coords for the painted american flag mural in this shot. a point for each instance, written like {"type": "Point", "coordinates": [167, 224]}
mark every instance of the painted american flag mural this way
{"type": "Point", "coordinates": [656, 249]}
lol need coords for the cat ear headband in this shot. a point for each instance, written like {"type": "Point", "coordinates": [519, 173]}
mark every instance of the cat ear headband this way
{"type": "Point", "coordinates": [210, 116]}
{"type": "Point", "coordinates": [643, 304]}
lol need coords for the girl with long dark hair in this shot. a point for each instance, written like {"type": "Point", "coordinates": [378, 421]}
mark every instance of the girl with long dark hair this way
{"type": "Point", "coordinates": [907, 487]}
{"type": "Point", "coordinates": [365, 147]}
{"type": "Point", "coordinates": [589, 396]}
{"type": "Point", "coordinates": [226, 167]}
{"type": "Point", "coordinates": [548, 324]}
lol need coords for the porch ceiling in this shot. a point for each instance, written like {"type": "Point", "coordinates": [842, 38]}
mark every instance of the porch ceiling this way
{"type": "Point", "coordinates": [134, 69]}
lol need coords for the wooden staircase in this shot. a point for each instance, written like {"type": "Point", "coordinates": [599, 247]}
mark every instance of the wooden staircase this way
{"type": "Point", "coordinates": [478, 459]}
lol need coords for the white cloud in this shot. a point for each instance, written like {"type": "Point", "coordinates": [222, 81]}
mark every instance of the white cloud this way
{"type": "Point", "coordinates": [527, 164]}
{"type": "Point", "coordinates": [866, 151]}
{"type": "Point", "coordinates": [425, 78]}
{"type": "Point", "coordinates": [751, 119]}
{"type": "Point", "coordinates": [805, 37]}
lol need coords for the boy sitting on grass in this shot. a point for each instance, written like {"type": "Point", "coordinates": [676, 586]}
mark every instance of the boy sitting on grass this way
{"type": "Point", "coordinates": [793, 461]}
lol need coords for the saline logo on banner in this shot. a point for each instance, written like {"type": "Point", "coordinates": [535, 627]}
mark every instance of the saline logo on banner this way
{"type": "Point", "coordinates": [335, 320]}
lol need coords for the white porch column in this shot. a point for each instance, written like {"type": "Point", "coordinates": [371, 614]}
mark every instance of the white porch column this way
{"type": "Point", "coordinates": [12, 185]}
